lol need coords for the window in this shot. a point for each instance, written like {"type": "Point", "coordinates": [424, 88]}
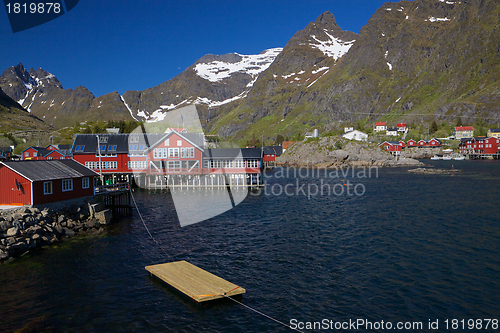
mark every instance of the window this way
{"type": "Point", "coordinates": [174, 165]}
{"type": "Point", "coordinates": [104, 165]}
{"type": "Point", "coordinates": [179, 143]}
{"type": "Point", "coordinates": [67, 185]}
{"type": "Point", "coordinates": [35, 154]}
{"type": "Point", "coordinates": [173, 152]}
{"type": "Point", "coordinates": [160, 153]}
{"type": "Point", "coordinates": [137, 165]}
{"type": "Point", "coordinates": [85, 182]}
{"type": "Point", "coordinates": [167, 142]}
{"type": "Point", "coordinates": [253, 163]}
{"type": "Point", "coordinates": [103, 139]}
{"type": "Point", "coordinates": [102, 147]}
{"type": "Point", "coordinates": [187, 152]}
{"type": "Point", "coordinates": [26, 154]}
{"type": "Point", "coordinates": [134, 138]}
{"type": "Point", "coordinates": [47, 188]}
{"type": "Point", "coordinates": [112, 147]}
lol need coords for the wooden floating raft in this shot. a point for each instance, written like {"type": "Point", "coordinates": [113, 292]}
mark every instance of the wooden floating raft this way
{"type": "Point", "coordinates": [193, 281]}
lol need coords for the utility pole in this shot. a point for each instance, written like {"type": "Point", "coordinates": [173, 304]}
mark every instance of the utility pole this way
{"type": "Point", "coordinates": [100, 166]}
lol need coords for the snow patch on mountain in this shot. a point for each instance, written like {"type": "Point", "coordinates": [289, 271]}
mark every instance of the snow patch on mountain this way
{"type": "Point", "coordinates": [437, 19]}
{"type": "Point", "coordinates": [252, 65]}
{"type": "Point", "coordinates": [333, 47]}
{"type": "Point", "coordinates": [128, 108]}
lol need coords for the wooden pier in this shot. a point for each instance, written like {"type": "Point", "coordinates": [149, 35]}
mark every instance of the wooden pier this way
{"type": "Point", "coordinates": [116, 197]}
{"type": "Point", "coordinates": [193, 281]}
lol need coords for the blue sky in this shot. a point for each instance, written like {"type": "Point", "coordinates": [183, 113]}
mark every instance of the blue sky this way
{"type": "Point", "coordinates": [125, 45]}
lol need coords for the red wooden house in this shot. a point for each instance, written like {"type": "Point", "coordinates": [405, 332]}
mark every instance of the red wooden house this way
{"type": "Point", "coordinates": [422, 143]}
{"type": "Point", "coordinates": [402, 143]}
{"type": "Point", "coordinates": [270, 153]}
{"type": "Point", "coordinates": [411, 143]}
{"type": "Point", "coordinates": [479, 145]}
{"type": "Point", "coordinates": [51, 152]}
{"type": "Point", "coordinates": [41, 182]}
{"type": "Point", "coordinates": [402, 127]}
{"type": "Point", "coordinates": [34, 153]}
{"type": "Point", "coordinates": [5, 153]}
{"type": "Point", "coordinates": [434, 143]}
{"type": "Point", "coordinates": [393, 147]}
{"type": "Point", "coordinates": [176, 153]}
{"type": "Point", "coordinates": [232, 160]}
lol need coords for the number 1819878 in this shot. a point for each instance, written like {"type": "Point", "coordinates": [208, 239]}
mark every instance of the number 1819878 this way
{"type": "Point", "coordinates": [33, 8]}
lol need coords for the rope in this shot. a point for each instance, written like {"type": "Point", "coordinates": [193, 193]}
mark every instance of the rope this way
{"type": "Point", "coordinates": [147, 229]}
{"type": "Point", "coordinates": [262, 314]}
{"type": "Point", "coordinates": [224, 294]}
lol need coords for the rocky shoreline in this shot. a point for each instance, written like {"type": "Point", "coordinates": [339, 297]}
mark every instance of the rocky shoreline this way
{"type": "Point", "coordinates": [27, 228]}
{"type": "Point", "coordinates": [331, 152]}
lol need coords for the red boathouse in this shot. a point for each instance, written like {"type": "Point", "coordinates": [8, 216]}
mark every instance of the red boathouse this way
{"type": "Point", "coordinates": [41, 182]}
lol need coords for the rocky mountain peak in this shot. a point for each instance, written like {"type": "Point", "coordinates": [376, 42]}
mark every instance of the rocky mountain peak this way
{"type": "Point", "coordinates": [326, 20]}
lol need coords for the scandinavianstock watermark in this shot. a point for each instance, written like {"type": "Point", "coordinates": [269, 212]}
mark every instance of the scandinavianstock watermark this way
{"type": "Point", "coordinates": [314, 182]}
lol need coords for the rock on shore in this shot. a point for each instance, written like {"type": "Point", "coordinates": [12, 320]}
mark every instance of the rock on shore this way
{"type": "Point", "coordinates": [29, 227]}
{"type": "Point", "coordinates": [336, 151]}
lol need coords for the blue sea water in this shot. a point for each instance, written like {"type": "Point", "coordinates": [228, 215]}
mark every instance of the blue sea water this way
{"type": "Point", "coordinates": [408, 248]}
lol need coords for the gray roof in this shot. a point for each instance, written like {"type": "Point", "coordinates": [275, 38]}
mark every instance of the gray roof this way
{"type": "Point", "coordinates": [232, 153]}
{"type": "Point", "coordinates": [49, 169]}
{"type": "Point", "coordinates": [273, 150]}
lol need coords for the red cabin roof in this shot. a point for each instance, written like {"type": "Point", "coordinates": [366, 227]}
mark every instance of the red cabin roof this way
{"type": "Point", "coordinates": [464, 128]}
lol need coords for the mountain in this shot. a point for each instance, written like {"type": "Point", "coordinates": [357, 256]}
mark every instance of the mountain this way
{"type": "Point", "coordinates": [276, 102]}
{"type": "Point", "coordinates": [212, 81]}
{"type": "Point", "coordinates": [41, 94]}
{"type": "Point", "coordinates": [414, 61]}
{"type": "Point", "coordinates": [14, 117]}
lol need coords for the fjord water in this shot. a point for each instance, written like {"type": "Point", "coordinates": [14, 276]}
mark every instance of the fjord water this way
{"type": "Point", "coordinates": [411, 248]}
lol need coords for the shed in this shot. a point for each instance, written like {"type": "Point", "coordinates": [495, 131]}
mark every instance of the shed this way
{"type": "Point", "coordinates": [41, 182]}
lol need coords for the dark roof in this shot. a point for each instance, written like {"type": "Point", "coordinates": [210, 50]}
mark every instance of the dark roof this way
{"type": "Point", "coordinates": [41, 151]}
{"type": "Point", "coordinates": [125, 143]}
{"type": "Point", "coordinates": [232, 153]}
{"type": "Point", "coordinates": [392, 129]}
{"type": "Point", "coordinates": [50, 169]}
{"type": "Point", "coordinates": [112, 143]}
{"type": "Point", "coordinates": [273, 150]}
{"type": "Point", "coordinates": [7, 149]}
{"type": "Point", "coordinates": [494, 130]}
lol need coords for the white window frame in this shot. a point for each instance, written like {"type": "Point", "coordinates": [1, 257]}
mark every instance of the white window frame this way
{"type": "Point", "coordinates": [67, 185]}
{"type": "Point", "coordinates": [173, 152]}
{"type": "Point", "coordinates": [167, 142]}
{"type": "Point", "coordinates": [179, 143]}
{"type": "Point", "coordinates": [47, 188]}
{"type": "Point", "coordinates": [85, 183]}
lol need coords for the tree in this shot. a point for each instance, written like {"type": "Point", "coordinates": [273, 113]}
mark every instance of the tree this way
{"type": "Point", "coordinates": [433, 128]}
{"type": "Point", "coordinates": [279, 139]}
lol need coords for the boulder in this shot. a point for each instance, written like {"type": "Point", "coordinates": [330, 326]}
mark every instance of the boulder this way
{"type": "Point", "coordinates": [104, 217]}
{"type": "Point", "coordinates": [14, 231]}
{"type": "Point", "coordinates": [68, 232]}
{"type": "Point", "coordinates": [9, 241]}
{"type": "Point", "coordinates": [61, 219]}
{"type": "Point", "coordinates": [4, 255]}
{"type": "Point", "coordinates": [58, 229]}
{"type": "Point", "coordinates": [5, 225]}
{"type": "Point", "coordinates": [30, 220]}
